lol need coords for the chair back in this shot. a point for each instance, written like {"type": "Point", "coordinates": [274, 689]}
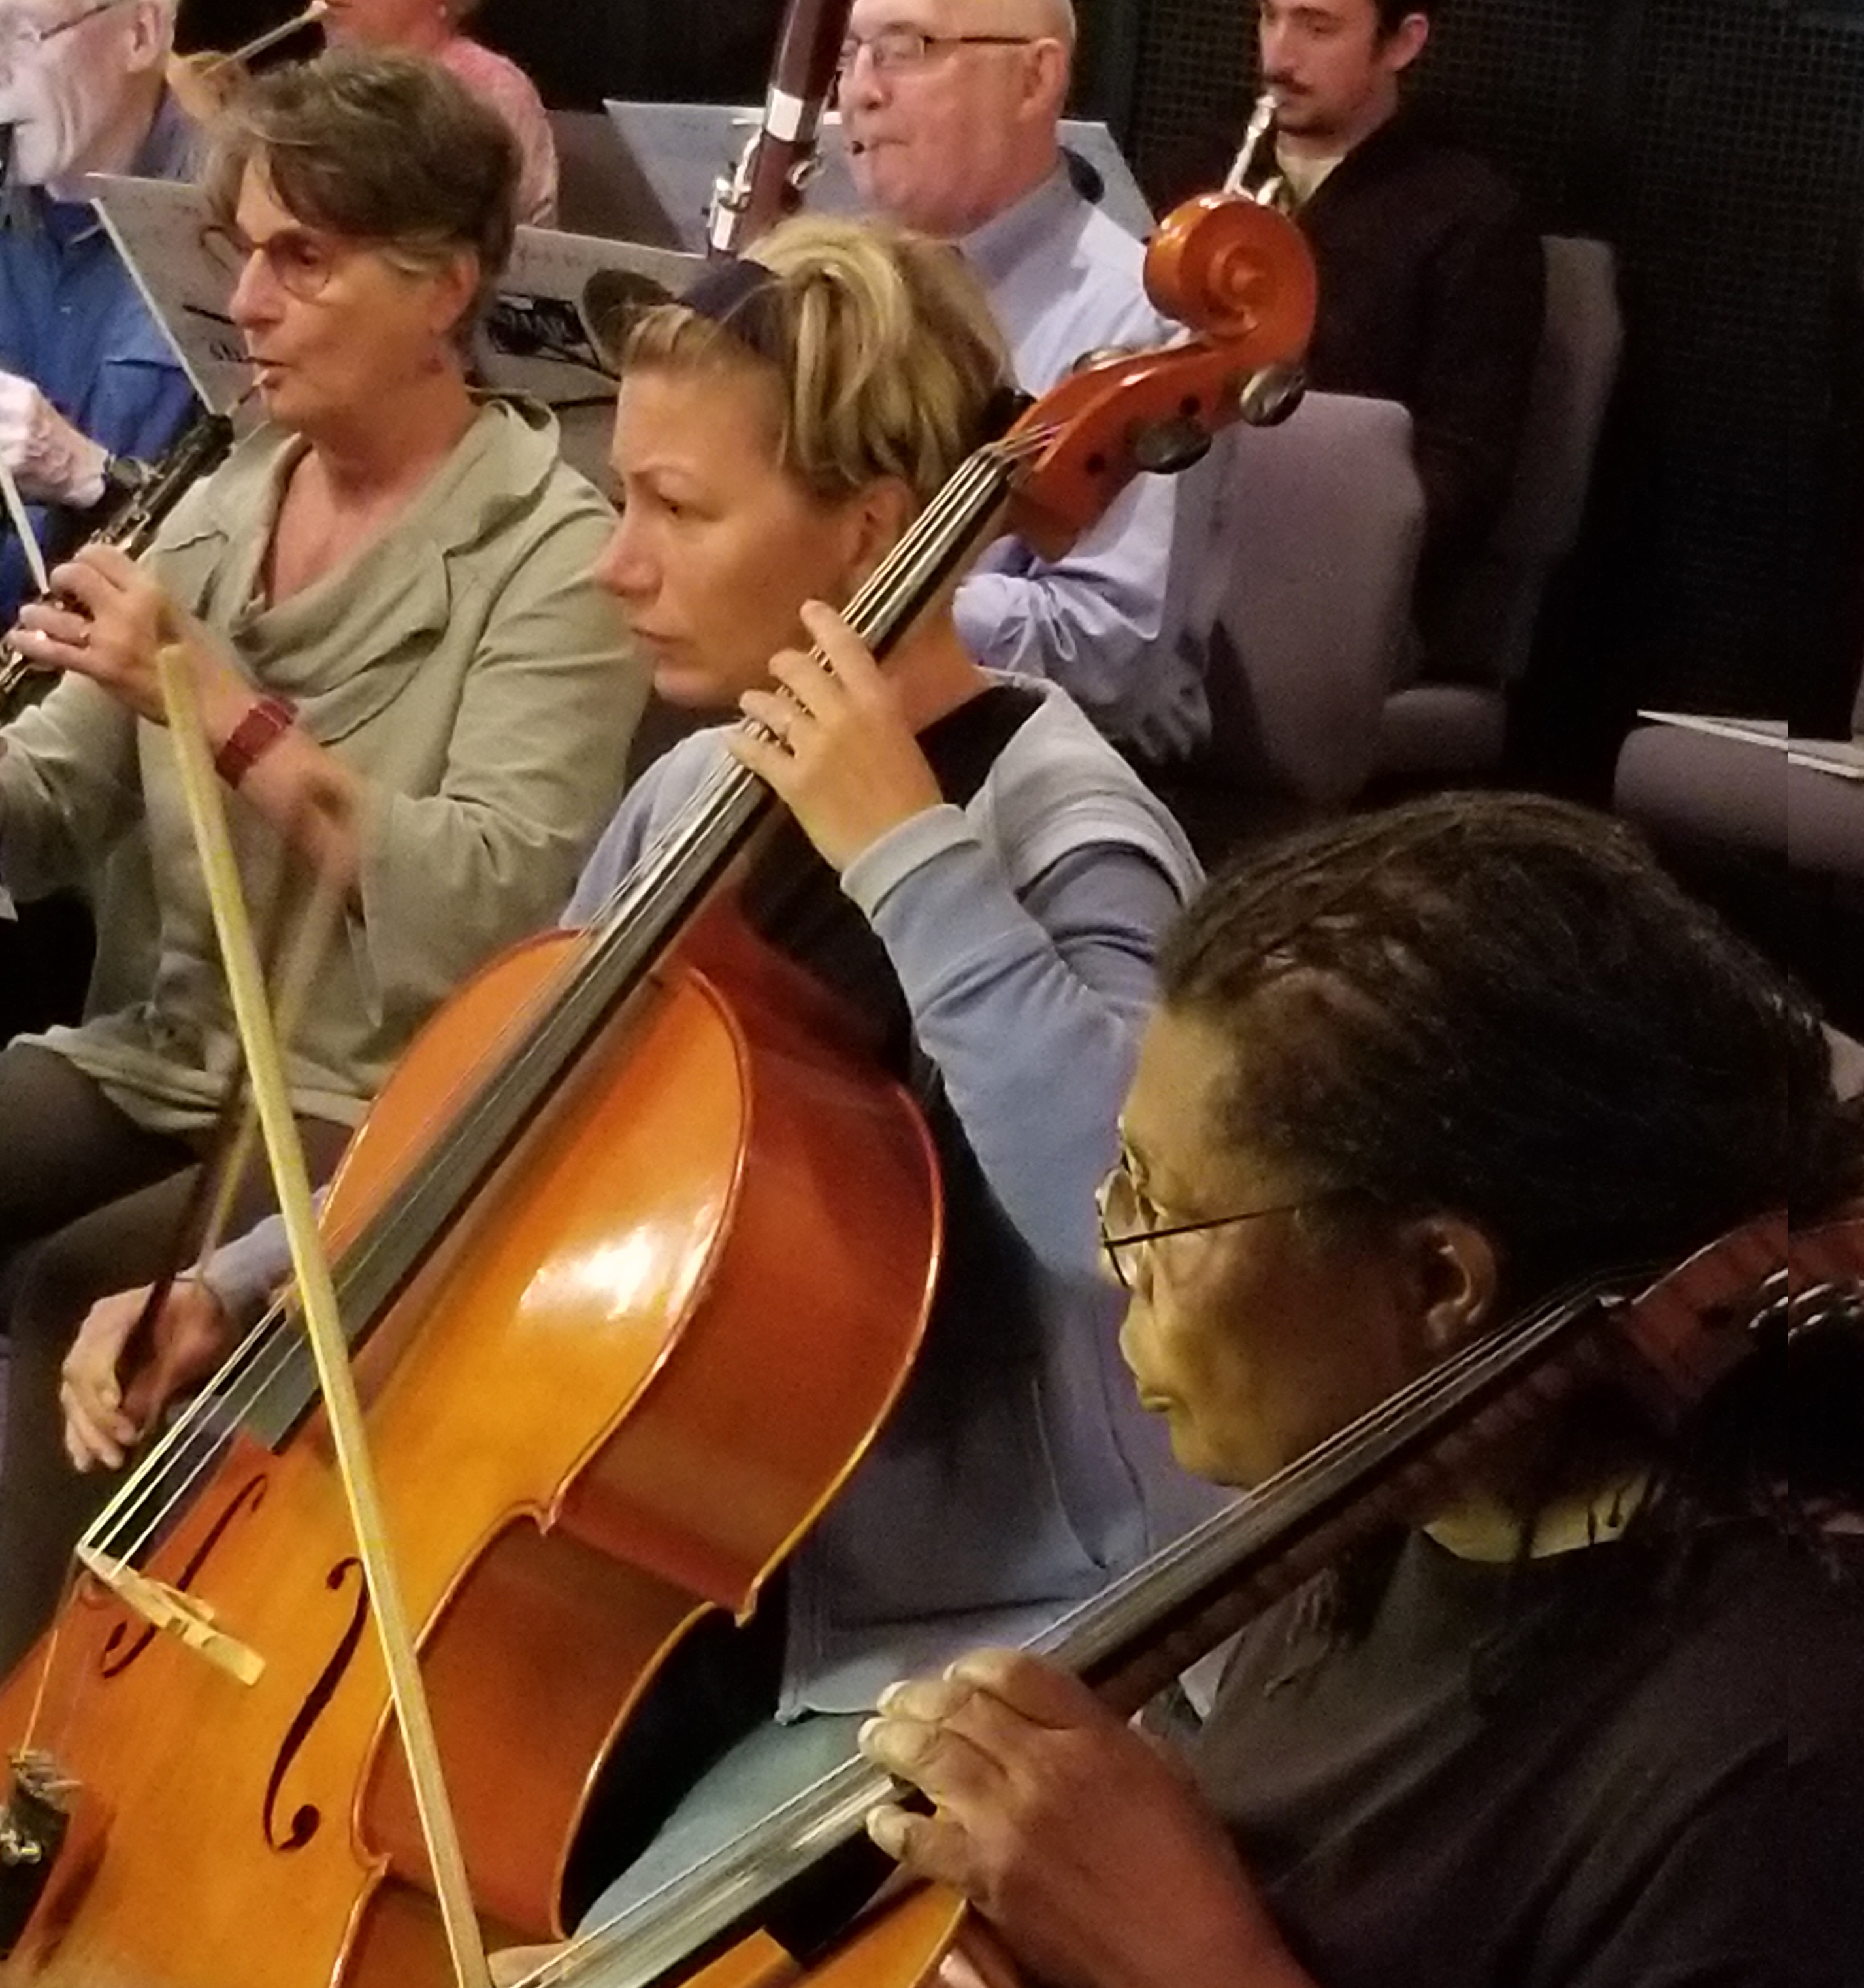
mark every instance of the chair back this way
{"type": "Point", "coordinates": [1488, 634]}
{"type": "Point", "coordinates": [1316, 531]}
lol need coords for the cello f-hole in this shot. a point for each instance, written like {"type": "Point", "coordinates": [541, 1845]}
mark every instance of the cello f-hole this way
{"type": "Point", "coordinates": [307, 1819]}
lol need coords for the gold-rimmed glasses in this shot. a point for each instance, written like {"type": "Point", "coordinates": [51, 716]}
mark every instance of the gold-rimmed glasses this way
{"type": "Point", "coordinates": [1129, 1222]}
{"type": "Point", "coordinates": [300, 261]}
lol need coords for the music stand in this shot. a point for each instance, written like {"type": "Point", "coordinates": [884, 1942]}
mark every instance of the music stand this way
{"type": "Point", "coordinates": [681, 150]}
{"type": "Point", "coordinates": [534, 340]}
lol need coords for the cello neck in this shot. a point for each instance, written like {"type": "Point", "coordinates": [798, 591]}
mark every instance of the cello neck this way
{"type": "Point", "coordinates": [653, 907]}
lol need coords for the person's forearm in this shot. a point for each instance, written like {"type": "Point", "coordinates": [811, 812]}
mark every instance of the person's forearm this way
{"type": "Point", "coordinates": [314, 801]}
{"type": "Point", "coordinates": [1033, 1021]}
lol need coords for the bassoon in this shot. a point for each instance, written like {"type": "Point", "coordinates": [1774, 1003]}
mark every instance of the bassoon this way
{"type": "Point", "coordinates": [779, 157]}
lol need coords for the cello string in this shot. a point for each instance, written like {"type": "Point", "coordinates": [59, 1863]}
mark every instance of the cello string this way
{"type": "Point", "coordinates": [887, 593]}
{"type": "Point", "coordinates": [867, 613]}
{"type": "Point", "coordinates": [1309, 1477]}
{"type": "Point", "coordinates": [101, 1535]}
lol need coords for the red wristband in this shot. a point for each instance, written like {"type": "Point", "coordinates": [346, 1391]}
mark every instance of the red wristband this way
{"type": "Point", "coordinates": [266, 721]}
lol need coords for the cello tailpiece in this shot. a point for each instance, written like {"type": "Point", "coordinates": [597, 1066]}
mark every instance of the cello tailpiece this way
{"type": "Point", "coordinates": [33, 1825]}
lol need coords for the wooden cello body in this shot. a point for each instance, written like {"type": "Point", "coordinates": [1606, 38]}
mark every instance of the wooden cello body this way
{"type": "Point", "coordinates": [600, 1418]}
{"type": "Point", "coordinates": [715, 1241]}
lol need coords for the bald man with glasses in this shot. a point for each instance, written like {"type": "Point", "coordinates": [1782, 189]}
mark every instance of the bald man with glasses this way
{"type": "Point", "coordinates": [951, 109]}
{"type": "Point", "coordinates": [86, 375]}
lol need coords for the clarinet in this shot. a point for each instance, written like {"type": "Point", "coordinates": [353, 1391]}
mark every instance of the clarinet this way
{"type": "Point", "coordinates": [779, 157]}
{"type": "Point", "coordinates": [1274, 191]}
{"type": "Point", "coordinates": [1276, 392]}
{"type": "Point", "coordinates": [132, 529]}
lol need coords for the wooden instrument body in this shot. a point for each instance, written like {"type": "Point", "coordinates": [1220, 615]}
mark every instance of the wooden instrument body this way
{"type": "Point", "coordinates": [608, 1412]}
{"type": "Point", "coordinates": [579, 1416]}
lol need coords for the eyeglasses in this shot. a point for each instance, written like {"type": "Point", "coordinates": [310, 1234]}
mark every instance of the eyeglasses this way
{"type": "Point", "coordinates": [20, 36]}
{"type": "Point", "coordinates": [300, 262]}
{"type": "Point", "coordinates": [893, 50]}
{"type": "Point", "coordinates": [1128, 1221]}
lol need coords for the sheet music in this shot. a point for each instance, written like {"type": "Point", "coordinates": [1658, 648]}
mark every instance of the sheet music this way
{"type": "Point", "coordinates": [534, 341]}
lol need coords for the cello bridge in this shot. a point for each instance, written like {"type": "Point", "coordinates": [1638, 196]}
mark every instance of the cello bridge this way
{"type": "Point", "coordinates": [190, 1622]}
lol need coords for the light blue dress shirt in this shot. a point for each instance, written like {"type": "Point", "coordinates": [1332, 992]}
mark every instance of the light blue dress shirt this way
{"type": "Point", "coordinates": [73, 321]}
{"type": "Point", "coordinates": [1108, 621]}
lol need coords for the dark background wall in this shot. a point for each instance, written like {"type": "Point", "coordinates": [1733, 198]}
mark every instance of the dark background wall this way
{"type": "Point", "coordinates": [1718, 143]}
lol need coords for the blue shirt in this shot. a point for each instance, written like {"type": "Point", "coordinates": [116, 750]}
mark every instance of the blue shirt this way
{"type": "Point", "coordinates": [73, 321]}
{"type": "Point", "coordinates": [1108, 620]}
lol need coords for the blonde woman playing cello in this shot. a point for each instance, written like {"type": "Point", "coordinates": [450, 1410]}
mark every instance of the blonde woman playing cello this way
{"type": "Point", "coordinates": [982, 879]}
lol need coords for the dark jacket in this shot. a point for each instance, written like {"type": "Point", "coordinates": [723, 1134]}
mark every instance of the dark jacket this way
{"type": "Point", "coordinates": [1433, 287]}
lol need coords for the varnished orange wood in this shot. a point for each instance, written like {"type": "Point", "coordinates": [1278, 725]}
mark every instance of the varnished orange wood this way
{"type": "Point", "coordinates": [1242, 276]}
{"type": "Point", "coordinates": [898, 1944]}
{"type": "Point", "coordinates": [613, 1408]}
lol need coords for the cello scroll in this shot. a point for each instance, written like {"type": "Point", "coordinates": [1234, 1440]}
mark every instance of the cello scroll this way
{"type": "Point", "coordinates": [1242, 277]}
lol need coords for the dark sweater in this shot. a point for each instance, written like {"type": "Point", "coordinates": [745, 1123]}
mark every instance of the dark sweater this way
{"type": "Point", "coordinates": [1433, 288]}
{"type": "Point", "coordinates": [1557, 1777]}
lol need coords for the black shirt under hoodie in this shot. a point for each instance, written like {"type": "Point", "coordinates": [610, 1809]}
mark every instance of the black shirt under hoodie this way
{"type": "Point", "coordinates": [1594, 1770]}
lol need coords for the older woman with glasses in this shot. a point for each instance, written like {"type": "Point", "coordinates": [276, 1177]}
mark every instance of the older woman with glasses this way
{"type": "Point", "coordinates": [416, 697]}
{"type": "Point", "coordinates": [1584, 1712]}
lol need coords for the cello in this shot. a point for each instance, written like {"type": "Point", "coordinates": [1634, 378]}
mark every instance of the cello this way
{"type": "Point", "coordinates": [543, 1377]}
{"type": "Point", "coordinates": [733, 1920]}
